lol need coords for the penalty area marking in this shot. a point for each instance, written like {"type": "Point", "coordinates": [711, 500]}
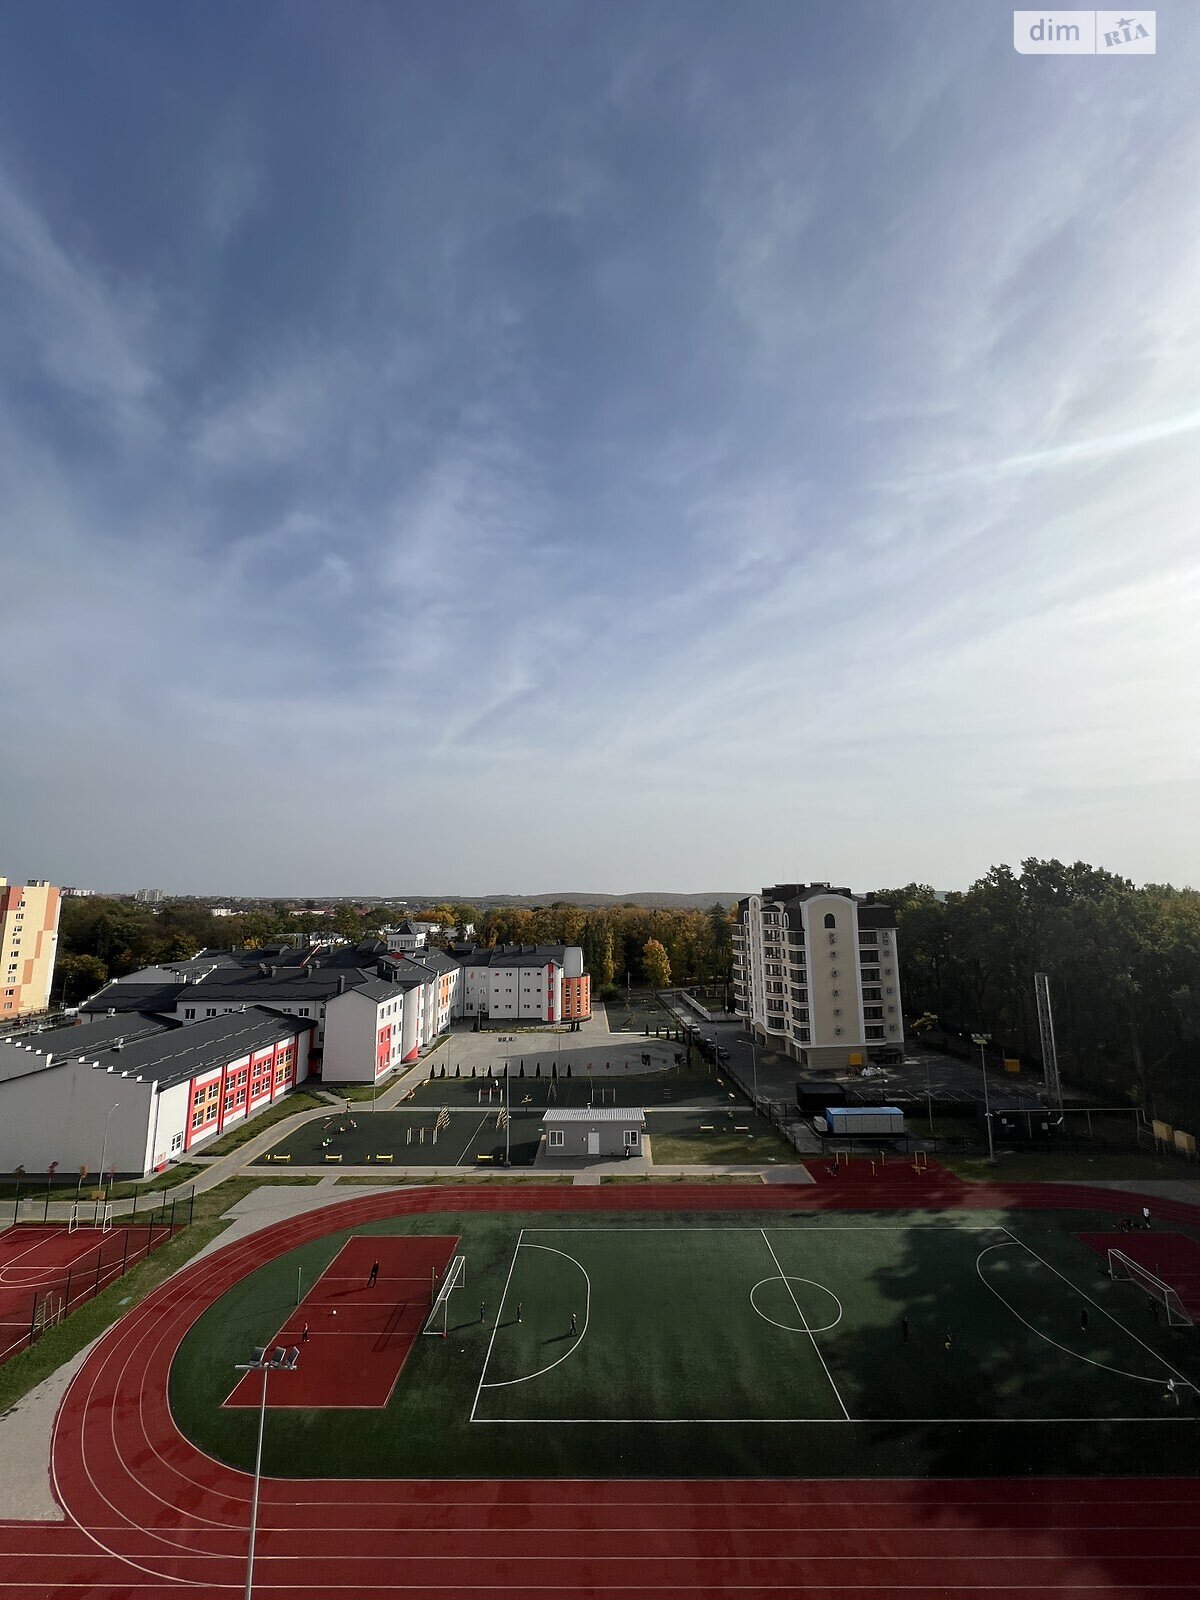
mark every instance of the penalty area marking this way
{"type": "Point", "coordinates": [507, 1383]}
{"type": "Point", "coordinates": [789, 1327]}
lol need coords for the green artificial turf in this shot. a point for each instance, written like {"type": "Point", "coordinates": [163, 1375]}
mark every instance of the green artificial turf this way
{"type": "Point", "coordinates": [693, 1355]}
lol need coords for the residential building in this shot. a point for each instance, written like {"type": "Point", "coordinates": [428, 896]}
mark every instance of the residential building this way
{"type": "Point", "coordinates": [134, 1100]}
{"type": "Point", "coordinates": [29, 915]}
{"type": "Point", "coordinates": [150, 897]}
{"type": "Point", "coordinates": [521, 982]}
{"type": "Point", "coordinates": [407, 938]}
{"type": "Point", "coordinates": [816, 974]}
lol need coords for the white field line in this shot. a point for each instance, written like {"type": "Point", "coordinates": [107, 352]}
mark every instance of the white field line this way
{"type": "Point", "coordinates": [1076, 1355]}
{"type": "Point", "coordinates": [787, 1285]}
{"type": "Point", "coordinates": [1085, 1296]}
{"type": "Point", "coordinates": [507, 1383]}
{"type": "Point", "coordinates": [472, 1140]}
{"type": "Point", "coordinates": [496, 1324]}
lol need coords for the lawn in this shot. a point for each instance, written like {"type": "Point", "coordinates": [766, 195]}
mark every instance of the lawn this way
{"type": "Point", "coordinates": [25, 1371]}
{"type": "Point", "coordinates": [1082, 1165]}
{"type": "Point", "coordinates": [715, 1138]}
{"type": "Point", "coordinates": [708, 1344]}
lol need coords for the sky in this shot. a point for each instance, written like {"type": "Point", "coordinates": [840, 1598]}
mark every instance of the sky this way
{"type": "Point", "coordinates": [534, 445]}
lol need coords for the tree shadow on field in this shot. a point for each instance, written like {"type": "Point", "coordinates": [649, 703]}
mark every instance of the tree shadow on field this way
{"type": "Point", "coordinates": [1064, 1488]}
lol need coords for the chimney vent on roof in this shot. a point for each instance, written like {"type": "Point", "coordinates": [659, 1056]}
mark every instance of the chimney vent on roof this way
{"type": "Point", "coordinates": [341, 983]}
{"type": "Point", "coordinates": [263, 969]}
{"type": "Point", "coordinates": [274, 971]}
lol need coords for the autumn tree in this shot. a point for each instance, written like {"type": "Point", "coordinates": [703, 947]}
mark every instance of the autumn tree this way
{"type": "Point", "coordinates": [655, 964]}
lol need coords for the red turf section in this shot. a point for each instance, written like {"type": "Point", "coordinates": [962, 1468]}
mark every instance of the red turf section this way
{"type": "Point", "coordinates": [35, 1261]}
{"type": "Point", "coordinates": [1173, 1257]}
{"type": "Point", "coordinates": [359, 1333]}
{"type": "Point", "coordinates": [149, 1515]}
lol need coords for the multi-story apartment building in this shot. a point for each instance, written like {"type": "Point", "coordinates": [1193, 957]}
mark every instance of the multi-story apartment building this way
{"type": "Point", "coordinates": [526, 981]}
{"type": "Point", "coordinates": [816, 974]}
{"type": "Point", "coordinates": [28, 943]}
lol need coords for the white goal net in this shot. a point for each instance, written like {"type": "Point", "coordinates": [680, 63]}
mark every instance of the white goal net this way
{"type": "Point", "coordinates": [454, 1277]}
{"type": "Point", "coordinates": [1124, 1269]}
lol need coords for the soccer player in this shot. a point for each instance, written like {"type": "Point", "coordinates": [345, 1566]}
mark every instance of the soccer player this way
{"type": "Point", "coordinates": [374, 1274]}
{"type": "Point", "coordinates": [949, 1339]}
{"type": "Point", "coordinates": [1172, 1391]}
{"type": "Point", "coordinates": [574, 1322]}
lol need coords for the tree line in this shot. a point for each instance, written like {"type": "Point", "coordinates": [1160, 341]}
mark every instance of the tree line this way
{"type": "Point", "coordinates": [103, 938]}
{"type": "Point", "coordinates": [1123, 962]}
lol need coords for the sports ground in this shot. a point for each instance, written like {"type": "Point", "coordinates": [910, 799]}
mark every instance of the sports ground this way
{"type": "Point", "coordinates": [451, 1121]}
{"type": "Point", "coordinates": [736, 1411]}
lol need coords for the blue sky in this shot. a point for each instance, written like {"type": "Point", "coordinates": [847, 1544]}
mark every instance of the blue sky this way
{"type": "Point", "coordinates": [532, 446]}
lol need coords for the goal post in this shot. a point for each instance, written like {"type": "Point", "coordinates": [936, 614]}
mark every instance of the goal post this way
{"type": "Point", "coordinates": [106, 1220]}
{"type": "Point", "coordinates": [1124, 1269]}
{"type": "Point", "coordinates": [73, 1223]}
{"type": "Point", "coordinates": [454, 1277]}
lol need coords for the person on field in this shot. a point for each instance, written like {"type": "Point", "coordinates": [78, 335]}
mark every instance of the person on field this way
{"type": "Point", "coordinates": [374, 1275]}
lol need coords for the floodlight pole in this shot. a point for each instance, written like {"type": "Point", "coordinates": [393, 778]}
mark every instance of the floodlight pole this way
{"type": "Point", "coordinates": [983, 1039]}
{"type": "Point", "coordinates": [754, 1069]}
{"type": "Point", "coordinates": [281, 1361]}
{"type": "Point", "coordinates": [507, 1118]}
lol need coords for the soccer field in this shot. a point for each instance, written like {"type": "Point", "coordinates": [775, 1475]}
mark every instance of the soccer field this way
{"type": "Point", "coordinates": [711, 1345]}
{"type": "Point", "coordinates": [805, 1325]}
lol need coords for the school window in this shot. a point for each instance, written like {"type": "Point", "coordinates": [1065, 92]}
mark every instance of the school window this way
{"type": "Point", "coordinates": [176, 1143]}
{"type": "Point", "coordinates": [189, 1013]}
{"type": "Point", "coordinates": [556, 1138]}
{"type": "Point", "coordinates": [631, 1138]}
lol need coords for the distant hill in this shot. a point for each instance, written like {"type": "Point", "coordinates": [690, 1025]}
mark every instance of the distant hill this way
{"type": "Point", "coordinates": [654, 899]}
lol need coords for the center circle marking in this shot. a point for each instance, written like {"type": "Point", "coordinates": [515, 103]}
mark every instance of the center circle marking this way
{"type": "Point", "coordinates": [793, 1327]}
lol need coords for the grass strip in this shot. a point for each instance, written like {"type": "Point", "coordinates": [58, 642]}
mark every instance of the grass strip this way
{"type": "Point", "coordinates": [1064, 1166]}
{"type": "Point", "coordinates": [88, 1321]}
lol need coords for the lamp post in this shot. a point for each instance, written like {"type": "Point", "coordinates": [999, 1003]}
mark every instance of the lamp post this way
{"type": "Point", "coordinates": [983, 1039]}
{"type": "Point", "coordinates": [279, 1360]}
{"type": "Point", "coordinates": [754, 1069]}
{"type": "Point", "coordinates": [104, 1144]}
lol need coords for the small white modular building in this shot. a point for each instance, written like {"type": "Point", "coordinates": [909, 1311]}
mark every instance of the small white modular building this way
{"type": "Point", "coordinates": [601, 1132]}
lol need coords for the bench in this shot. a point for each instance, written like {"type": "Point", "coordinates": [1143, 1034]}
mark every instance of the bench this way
{"type": "Point", "coordinates": [278, 1158]}
{"type": "Point", "coordinates": [328, 1157]}
{"type": "Point", "coordinates": [480, 1157]}
{"type": "Point", "coordinates": [706, 1127]}
{"type": "Point", "coordinates": [388, 1157]}
{"type": "Point", "coordinates": [740, 1128]}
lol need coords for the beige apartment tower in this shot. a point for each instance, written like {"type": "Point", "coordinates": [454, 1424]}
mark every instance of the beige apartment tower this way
{"type": "Point", "coordinates": [28, 943]}
{"type": "Point", "coordinates": [816, 975]}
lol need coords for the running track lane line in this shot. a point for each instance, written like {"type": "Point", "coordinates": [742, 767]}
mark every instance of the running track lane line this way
{"type": "Point", "coordinates": [1089, 1491]}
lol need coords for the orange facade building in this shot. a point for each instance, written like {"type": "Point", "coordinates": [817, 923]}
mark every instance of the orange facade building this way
{"type": "Point", "coordinates": [576, 998]}
{"type": "Point", "coordinates": [28, 944]}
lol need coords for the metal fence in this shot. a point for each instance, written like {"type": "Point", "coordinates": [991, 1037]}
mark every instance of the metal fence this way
{"type": "Point", "coordinates": [25, 1317]}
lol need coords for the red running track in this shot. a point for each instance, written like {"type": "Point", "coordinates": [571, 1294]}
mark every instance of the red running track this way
{"type": "Point", "coordinates": [149, 1515]}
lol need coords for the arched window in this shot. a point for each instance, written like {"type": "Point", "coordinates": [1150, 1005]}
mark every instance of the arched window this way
{"type": "Point", "coordinates": [830, 920]}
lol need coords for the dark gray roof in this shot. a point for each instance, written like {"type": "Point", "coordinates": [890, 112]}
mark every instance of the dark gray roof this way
{"type": "Point", "coordinates": [381, 988]}
{"type": "Point", "coordinates": [121, 996]}
{"type": "Point", "coordinates": [181, 1053]}
{"type": "Point", "coordinates": [427, 963]}
{"type": "Point", "coordinates": [101, 1031]}
{"type": "Point", "coordinates": [516, 955]}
